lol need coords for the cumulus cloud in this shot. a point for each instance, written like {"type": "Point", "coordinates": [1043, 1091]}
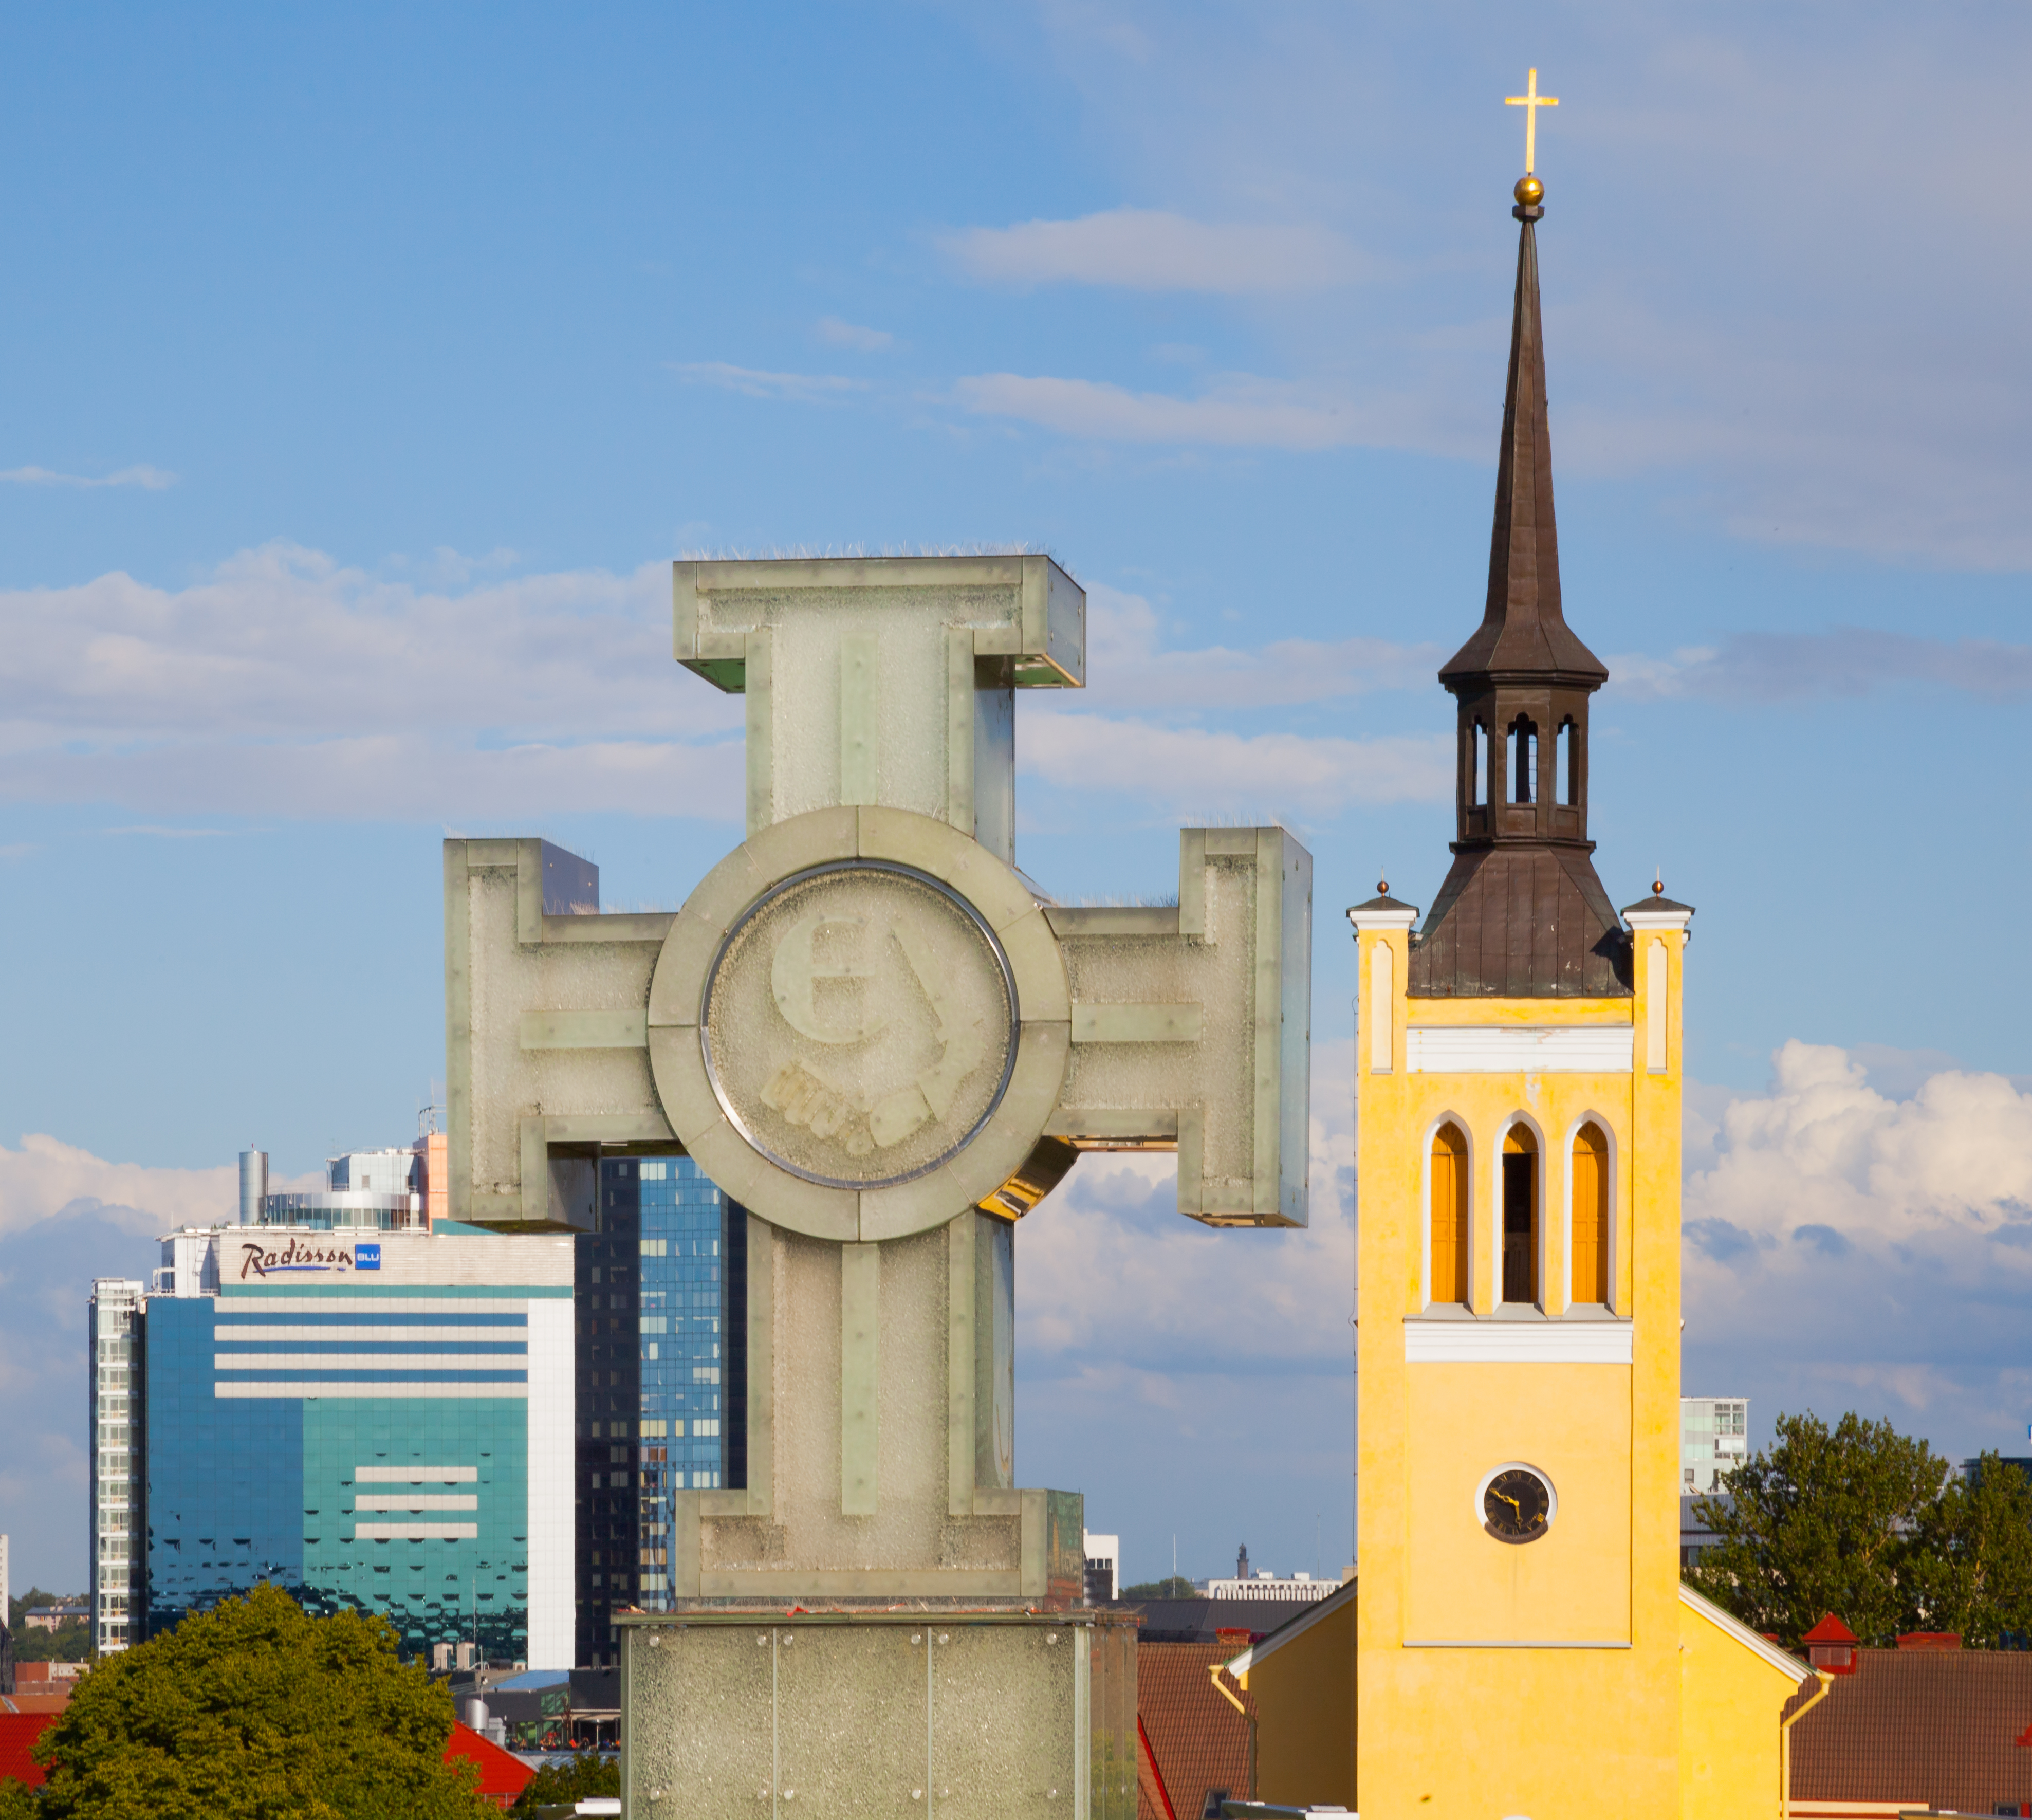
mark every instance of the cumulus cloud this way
{"type": "Point", "coordinates": [1848, 1247]}
{"type": "Point", "coordinates": [47, 1179]}
{"type": "Point", "coordinates": [1151, 249]}
{"type": "Point", "coordinates": [286, 683]}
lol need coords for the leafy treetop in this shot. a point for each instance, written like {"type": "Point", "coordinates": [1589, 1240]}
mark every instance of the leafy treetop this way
{"type": "Point", "coordinates": [1177, 1587]}
{"type": "Point", "coordinates": [254, 1710]}
{"type": "Point", "coordinates": [1865, 1523]}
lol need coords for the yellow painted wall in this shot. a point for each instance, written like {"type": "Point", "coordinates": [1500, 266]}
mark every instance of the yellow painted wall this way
{"type": "Point", "coordinates": [1550, 1733]}
{"type": "Point", "coordinates": [1305, 1716]}
{"type": "Point", "coordinates": [1731, 1756]}
{"type": "Point", "coordinates": [1573, 1585]}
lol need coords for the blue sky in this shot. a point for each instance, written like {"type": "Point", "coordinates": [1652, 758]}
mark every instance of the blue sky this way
{"type": "Point", "coordinates": [361, 369]}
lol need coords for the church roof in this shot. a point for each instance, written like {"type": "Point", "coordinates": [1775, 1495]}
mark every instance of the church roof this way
{"type": "Point", "coordinates": [1523, 630]}
{"type": "Point", "coordinates": [1658, 901]}
{"type": "Point", "coordinates": [1521, 922]}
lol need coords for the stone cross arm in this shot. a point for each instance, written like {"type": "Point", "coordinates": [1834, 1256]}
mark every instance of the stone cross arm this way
{"type": "Point", "coordinates": [1178, 1027]}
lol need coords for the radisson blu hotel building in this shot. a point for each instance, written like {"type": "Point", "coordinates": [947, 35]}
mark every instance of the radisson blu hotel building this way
{"type": "Point", "coordinates": [474, 1434]}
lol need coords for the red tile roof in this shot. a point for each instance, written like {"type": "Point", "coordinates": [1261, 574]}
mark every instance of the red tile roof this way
{"type": "Point", "coordinates": [18, 1733]}
{"type": "Point", "coordinates": [501, 1776]}
{"type": "Point", "coordinates": [1830, 1629]}
{"type": "Point", "coordinates": [1152, 1797]}
{"type": "Point", "coordinates": [1196, 1739]}
{"type": "Point", "coordinates": [1944, 1729]}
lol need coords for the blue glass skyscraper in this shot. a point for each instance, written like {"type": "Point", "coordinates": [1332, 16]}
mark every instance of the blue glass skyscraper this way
{"type": "Point", "coordinates": [662, 1292]}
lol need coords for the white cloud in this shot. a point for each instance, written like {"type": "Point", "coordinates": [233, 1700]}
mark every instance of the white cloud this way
{"type": "Point", "coordinates": [1150, 249]}
{"type": "Point", "coordinates": [805, 388]}
{"type": "Point", "coordinates": [1113, 1277]}
{"type": "Point", "coordinates": [1199, 771]}
{"type": "Point", "coordinates": [46, 1177]}
{"type": "Point", "coordinates": [1129, 669]}
{"type": "Point", "coordinates": [286, 684]}
{"type": "Point", "coordinates": [844, 335]}
{"type": "Point", "coordinates": [1123, 731]}
{"type": "Point", "coordinates": [1848, 660]}
{"type": "Point", "coordinates": [1848, 1248]}
{"type": "Point", "coordinates": [153, 480]}
{"type": "Point", "coordinates": [1241, 414]}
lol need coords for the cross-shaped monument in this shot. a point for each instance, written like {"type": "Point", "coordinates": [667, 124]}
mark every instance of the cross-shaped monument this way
{"type": "Point", "coordinates": [886, 1044]}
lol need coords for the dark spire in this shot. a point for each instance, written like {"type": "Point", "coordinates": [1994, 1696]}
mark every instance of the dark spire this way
{"type": "Point", "coordinates": [1523, 630]}
{"type": "Point", "coordinates": [1522, 913]}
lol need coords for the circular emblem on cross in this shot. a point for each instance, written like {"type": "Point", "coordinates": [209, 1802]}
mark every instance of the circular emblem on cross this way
{"type": "Point", "coordinates": [859, 1023]}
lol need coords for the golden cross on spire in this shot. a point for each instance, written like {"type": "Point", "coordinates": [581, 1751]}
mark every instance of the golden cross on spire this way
{"type": "Point", "coordinates": [1531, 101]}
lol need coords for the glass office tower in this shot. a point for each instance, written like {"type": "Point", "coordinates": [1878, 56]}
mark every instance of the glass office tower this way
{"type": "Point", "coordinates": [662, 1291]}
{"type": "Point", "coordinates": [380, 1425]}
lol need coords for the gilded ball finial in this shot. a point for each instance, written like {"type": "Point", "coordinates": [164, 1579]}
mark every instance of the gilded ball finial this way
{"type": "Point", "coordinates": [1658, 888]}
{"type": "Point", "coordinates": [1382, 887]}
{"type": "Point", "coordinates": [1529, 192]}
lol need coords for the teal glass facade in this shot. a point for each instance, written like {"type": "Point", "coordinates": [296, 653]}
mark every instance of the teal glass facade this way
{"type": "Point", "coordinates": [367, 1446]}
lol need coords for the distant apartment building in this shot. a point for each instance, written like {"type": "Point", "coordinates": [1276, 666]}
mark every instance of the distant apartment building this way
{"type": "Point", "coordinates": [1103, 1568]}
{"type": "Point", "coordinates": [1713, 1441]}
{"type": "Point", "coordinates": [117, 1505]}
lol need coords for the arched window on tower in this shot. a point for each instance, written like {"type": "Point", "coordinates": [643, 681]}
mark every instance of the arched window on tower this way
{"type": "Point", "coordinates": [1520, 1214]}
{"type": "Point", "coordinates": [1566, 765]}
{"type": "Point", "coordinates": [1590, 1241]}
{"type": "Point", "coordinates": [1523, 762]}
{"type": "Point", "coordinates": [1477, 764]}
{"type": "Point", "coordinates": [1449, 1215]}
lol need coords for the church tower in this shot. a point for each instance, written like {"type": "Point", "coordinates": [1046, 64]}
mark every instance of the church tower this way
{"type": "Point", "coordinates": [1519, 1620]}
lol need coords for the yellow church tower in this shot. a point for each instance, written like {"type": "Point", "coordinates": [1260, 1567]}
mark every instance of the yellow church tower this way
{"type": "Point", "coordinates": [1523, 1647]}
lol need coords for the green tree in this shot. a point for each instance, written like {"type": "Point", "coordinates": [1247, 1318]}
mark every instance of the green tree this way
{"type": "Point", "coordinates": [1177, 1587]}
{"type": "Point", "coordinates": [1826, 1522]}
{"type": "Point", "coordinates": [1971, 1565]}
{"type": "Point", "coordinates": [68, 1642]}
{"type": "Point", "coordinates": [254, 1710]}
{"type": "Point", "coordinates": [18, 1800]}
{"type": "Point", "coordinates": [558, 1784]}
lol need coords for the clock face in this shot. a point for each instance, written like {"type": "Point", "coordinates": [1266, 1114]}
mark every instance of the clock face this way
{"type": "Point", "coordinates": [1517, 1504]}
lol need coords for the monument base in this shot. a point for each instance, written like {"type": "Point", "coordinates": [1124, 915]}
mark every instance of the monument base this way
{"type": "Point", "coordinates": [966, 1712]}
